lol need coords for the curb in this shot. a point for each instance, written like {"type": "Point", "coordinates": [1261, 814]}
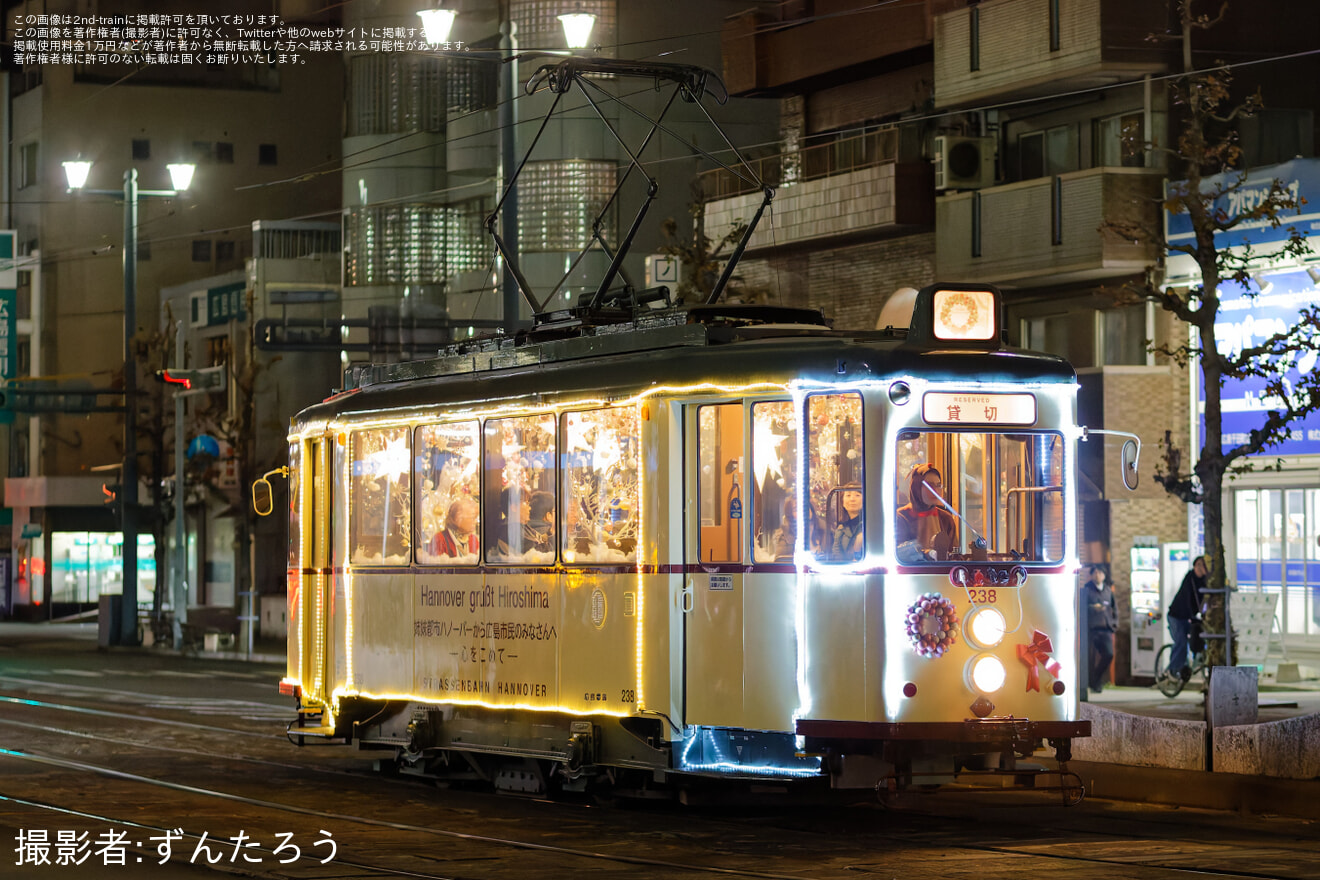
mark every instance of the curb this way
{"type": "Point", "coordinates": [1229, 792]}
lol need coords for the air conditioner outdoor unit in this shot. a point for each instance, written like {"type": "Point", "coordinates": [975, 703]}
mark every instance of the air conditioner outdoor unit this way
{"type": "Point", "coordinates": [964, 162]}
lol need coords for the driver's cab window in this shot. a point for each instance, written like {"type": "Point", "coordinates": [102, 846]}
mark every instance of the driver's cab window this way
{"type": "Point", "coordinates": [835, 531]}
{"type": "Point", "coordinates": [966, 495]}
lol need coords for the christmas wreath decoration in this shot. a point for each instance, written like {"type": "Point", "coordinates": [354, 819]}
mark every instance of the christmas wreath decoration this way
{"type": "Point", "coordinates": [959, 312]}
{"type": "Point", "coordinates": [932, 625]}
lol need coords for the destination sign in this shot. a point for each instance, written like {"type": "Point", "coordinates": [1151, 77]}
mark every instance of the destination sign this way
{"type": "Point", "coordinates": [942, 408]}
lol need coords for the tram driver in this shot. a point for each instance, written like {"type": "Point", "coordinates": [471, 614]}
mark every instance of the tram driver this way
{"type": "Point", "coordinates": [925, 531]}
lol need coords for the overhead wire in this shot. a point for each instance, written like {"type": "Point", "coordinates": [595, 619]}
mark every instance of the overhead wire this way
{"type": "Point", "coordinates": [343, 166]}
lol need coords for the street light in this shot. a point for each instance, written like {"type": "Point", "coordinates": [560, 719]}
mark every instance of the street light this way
{"type": "Point", "coordinates": [77, 172]}
{"type": "Point", "coordinates": [436, 23]}
{"type": "Point", "coordinates": [577, 27]}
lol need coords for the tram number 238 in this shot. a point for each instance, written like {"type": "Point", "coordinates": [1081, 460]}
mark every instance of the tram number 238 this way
{"type": "Point", "coordinates": [981, 596]}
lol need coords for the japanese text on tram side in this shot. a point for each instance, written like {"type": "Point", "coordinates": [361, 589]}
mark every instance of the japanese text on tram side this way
{"type": "Point", "coordinates": [66, 848]}
{"type": "Point", "coordinates": [509, 631]}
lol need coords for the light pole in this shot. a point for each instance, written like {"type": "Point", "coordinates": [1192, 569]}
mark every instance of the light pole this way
{"type": "Point", "coordinates": [181, 176]}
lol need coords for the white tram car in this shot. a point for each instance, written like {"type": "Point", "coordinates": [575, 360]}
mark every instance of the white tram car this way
{"type": "Point", "coordinates": [682, 546]}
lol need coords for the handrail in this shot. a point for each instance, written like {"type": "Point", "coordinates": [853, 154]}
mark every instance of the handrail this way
{"type": "Point", "coordinates": [809, 163]}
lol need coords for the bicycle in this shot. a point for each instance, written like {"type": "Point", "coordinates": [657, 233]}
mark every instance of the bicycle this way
{"type": "Point", "coordinates": [1172, 685]}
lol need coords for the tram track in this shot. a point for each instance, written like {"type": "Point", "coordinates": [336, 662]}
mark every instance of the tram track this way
{"type": "Point", "coordinates": [1031, 849]}
{"type": "Point", "coordinates": [1096, 833]}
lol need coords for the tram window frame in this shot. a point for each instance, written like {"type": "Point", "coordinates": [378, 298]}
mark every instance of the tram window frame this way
{"type": "Point", "coordinates": [359, 507]}
{"type": "Point", "coordinates": [958, 481]}
{"type": "Point", "coordinates": [827, 487]}
{"type": "Point", "coordinates": [435, 504]}
{"type": "Point", "coordinates": [715, 495]}
{"type": "Point", "coordinates": [496, 485]}
{"type": "Point", "coordinates": [608, 534]}
{"type": "Point", "coordinates": [771, 542]}
{"type": "Point", "coordinates": [294, 548]}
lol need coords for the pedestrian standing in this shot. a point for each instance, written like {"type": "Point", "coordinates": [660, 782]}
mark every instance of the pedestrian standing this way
{"type": "Point", "coordinates": [1101, 621]}
{"type": "Point", "coordinates": [1183, 610]}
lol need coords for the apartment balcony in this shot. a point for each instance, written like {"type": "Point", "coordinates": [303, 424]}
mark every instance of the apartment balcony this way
{"type": "Point", "coordinates": [836, 193]}
{"type": "Point", "coordinates": [1050, 230]}
{"type": "Point", "coordinates": [1010, 49]}
{"type": "Point", "coordinates": [765, 55]}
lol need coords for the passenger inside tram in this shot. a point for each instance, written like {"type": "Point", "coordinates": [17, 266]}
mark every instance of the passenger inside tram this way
{"type": "Point", "coordinates": [925, 530]}
{"type": "Point", "coordinates": [458, 538]}
{"type": "Point", "coordinates": [849, 534]}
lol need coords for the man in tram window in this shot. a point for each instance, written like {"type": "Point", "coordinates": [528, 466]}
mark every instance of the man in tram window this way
{"type": "Point", "coordinates": [538, 530]}
{"type": "Point", "coordinates": [849, 534]}
{"type": "Point", "coordinates": [925, 530]}
{"type": "Point", "coordinates": [784, 539]}
{"type": "Point", "coordinates": [515, 513]}
{"type": "Point", "coordinates": [459, 535]}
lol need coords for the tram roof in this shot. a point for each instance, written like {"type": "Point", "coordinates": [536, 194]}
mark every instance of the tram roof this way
{"type": "Point", "coordinates": [621, 360]}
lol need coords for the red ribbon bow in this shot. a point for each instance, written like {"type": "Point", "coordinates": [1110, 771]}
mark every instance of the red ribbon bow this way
{"type": "Point", "coordinates": [1038, 652]}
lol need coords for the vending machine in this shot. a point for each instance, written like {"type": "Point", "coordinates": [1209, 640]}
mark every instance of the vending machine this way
{"type": "Point", "coordinates": [1147, 607]}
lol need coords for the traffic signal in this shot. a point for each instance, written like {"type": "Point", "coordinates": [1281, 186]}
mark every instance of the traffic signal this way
{"type": "Point", "coordinates": [196, 381]}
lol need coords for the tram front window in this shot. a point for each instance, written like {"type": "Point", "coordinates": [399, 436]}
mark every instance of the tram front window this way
{"type": "Point", "coordinates": [956, 488]}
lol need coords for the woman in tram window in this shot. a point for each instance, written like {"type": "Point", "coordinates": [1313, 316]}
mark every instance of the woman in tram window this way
{"type": "Point", "coordinates": [925, 530]}
{"type": "Point", "coordinates": [850, 534]}
{"type": "Point", "coordinates": [458, 537]}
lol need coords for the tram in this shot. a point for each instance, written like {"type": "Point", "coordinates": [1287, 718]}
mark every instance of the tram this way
{"type": "Point", "coordinates": [674, 544]}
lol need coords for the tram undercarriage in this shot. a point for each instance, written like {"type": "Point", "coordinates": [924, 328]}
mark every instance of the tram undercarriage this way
{"type": "Point", "coordinates": [541, 753]}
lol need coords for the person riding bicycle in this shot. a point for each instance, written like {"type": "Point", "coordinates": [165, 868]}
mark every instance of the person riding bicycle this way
{"type": "Point", "coordinates": [1184, 610]}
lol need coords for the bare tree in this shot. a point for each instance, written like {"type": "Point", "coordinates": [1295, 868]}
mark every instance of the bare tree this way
{"type": "Point", "coordinates": [1207, 159]}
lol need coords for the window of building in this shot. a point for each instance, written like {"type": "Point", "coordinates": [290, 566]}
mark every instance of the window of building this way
{"type": "Point", "coordinates": [1069, 335]}
{"type": "Point", "coordinates": [1276, 134]}
{"type": "Point", "coordinates": [448, 488]}
{"type": "Point", "coordinates": [599, 478]}
{"type": "Point", "coordinates": [519, 467]}
{"type": "Point", "coordinates": [141, 148]}
{"type": "Point", "coordinates": [1048, 152]}
{"type": "Point", "coordinates": [28, 165]}
{"type": "Point", "coordinates": [224, 152]}
{"type": "Point", "coordinates": [201, 250]}
{"type": "Point", "coordinates": [1054, 25]}
{"type": "Point", "coordinates": [1120, 141]}
{"type": "Point", "coordinates": [836, 490]}
{"type": "Point", "coordinates": [1122, 336]}
{"type": "Point", "coordinates": [266, 154]}
{"type": "Point", "coordinates": [202, 152]}
{"type": "Point", "coordinates": [720, 481]}
{"type": "Point", "coordinates": [143, 249]}
{"type": "Point", "coordinates": [379, 503]}
{"type": "Point", "coordinates": [974, 38]}
{"type": "Point", "coordinates": [774, 480]}
{"type": "Point", "coordinates": [224, 250]}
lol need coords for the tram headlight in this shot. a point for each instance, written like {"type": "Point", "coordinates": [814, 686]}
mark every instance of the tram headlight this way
{"type": "Point", "coordinates": [985, 627]}
{"type": "Point", "coordinates": [988, 673]}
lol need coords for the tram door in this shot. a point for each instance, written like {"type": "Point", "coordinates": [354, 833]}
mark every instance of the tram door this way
{"type": "Point", "coordinates": [317, 573]}
{"type": "Point", "coordinates": [715, 488]}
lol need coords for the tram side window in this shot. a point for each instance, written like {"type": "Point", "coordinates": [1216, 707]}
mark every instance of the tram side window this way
{"type": "Point", "coordinates": [380, 506]}
{"type": "Point", "coordinates": [720, 481]}
{"type": "Point", "coordinates": [774, 484]}
{"type": "Point", "coordinates": [445, 462]}
{"type": "Point", "coordinates": [1004, 488]}
{"type": "Point", "coordinates": [836, 504]}
{"type": "Point", "coordinates": [295, 493]}
{"type": "Point", "coordinates": [519, 473]}
{"type": "Point", "coordinates": [599, 473]}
